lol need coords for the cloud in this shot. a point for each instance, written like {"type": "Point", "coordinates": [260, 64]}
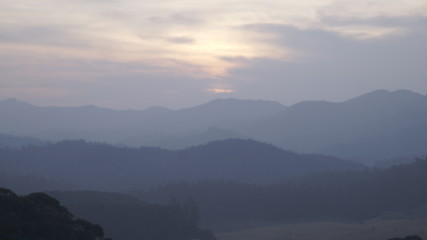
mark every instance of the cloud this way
{"type": "Point", "coordinates": [182, 18]}
{"type": "Point", "coordinates": [173, 51]}
{"type": "Point", "coordinates": [366, 19]}
{"type": "Point", "coordinates": [48, 36]}
{"type": "Point", "coordinates": [367, 9]}
{"type": "Point", "coordinates": [181, 40]}
{"type": "Point", "coordinates": [400, 21]}
{"type": "Point", "coordinates": [104, 83]}
{"type": "Point", "coordinates": [331, 66]}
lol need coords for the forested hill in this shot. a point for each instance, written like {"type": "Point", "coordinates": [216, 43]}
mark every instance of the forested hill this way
{"type": "Point", "coordinates": [39, 216]}
{"type": "Point", "coordinates": [124, 217]}
{"type": "Point", "coordinates": [399, 191]}
{"type": "Point", "coordinates": [105, 167]}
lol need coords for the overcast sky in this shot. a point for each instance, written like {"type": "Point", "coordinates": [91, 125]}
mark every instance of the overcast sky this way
{"type": "Point", "coordinates": [138, 53]}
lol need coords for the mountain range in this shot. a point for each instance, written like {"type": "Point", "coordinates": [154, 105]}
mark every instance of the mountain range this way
{"type": "Point", "coordinates": [93, 166]}
{"type": "Point", "coordinates": [375, 126]}
{"type": "Point", "coordinates": [131, 127]}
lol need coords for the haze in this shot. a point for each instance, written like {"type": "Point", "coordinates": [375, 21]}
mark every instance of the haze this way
{"type": "Point", "coordinates": [135, 54]}
{"type": "Point", "coordinates": [213, 120]}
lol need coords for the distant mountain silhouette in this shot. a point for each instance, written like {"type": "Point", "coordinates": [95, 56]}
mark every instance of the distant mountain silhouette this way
{"type": "Point", "coordinates": [22, 118]}
{"type": "Point", "coordinates": [399, 97]}
{"type": "Point", "coordinates": [220, 113]}
{"type": "Point", "coordinates": [129, 126]}
{"type": "Point", "coordinates": [374, 126]}
{"type": "Point", "coordinates": [105, 167]}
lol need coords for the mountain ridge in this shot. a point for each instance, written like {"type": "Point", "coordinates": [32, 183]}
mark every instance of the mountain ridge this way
{"type": "Point", "coordinates": [377, 124]}
{"type": "Point", "coordinates": [115, 126]}
{"type": "Point", "coordinates": [370, 127]}
{"type": "Point", "coordinates": [106, 167]}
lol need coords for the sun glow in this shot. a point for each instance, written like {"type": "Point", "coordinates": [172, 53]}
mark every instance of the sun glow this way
{"type": "Point", "coordinates": [220, 90]}
{"type": "Point", "coordinates": [187, 37]}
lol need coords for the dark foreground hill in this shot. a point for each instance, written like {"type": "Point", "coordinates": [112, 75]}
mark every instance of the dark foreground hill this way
{"type": "Point", "coordinates": [39, 216]}
{"type": "Point", "coordinates": [83, 165]}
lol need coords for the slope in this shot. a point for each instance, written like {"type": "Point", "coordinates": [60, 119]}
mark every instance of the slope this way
{"type": "Point", "coordinates": [106, 167]}
{"type": "Point", "coordinates": [374, 126]}
{"type": "Point", "coordinates": [152, 126]}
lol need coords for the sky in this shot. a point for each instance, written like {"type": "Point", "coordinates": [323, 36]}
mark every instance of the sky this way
{"type": "Point", "coordinates": [133, 54]}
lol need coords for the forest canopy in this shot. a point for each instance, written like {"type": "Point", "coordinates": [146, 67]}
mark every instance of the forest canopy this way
{"type": "Point", "coordinates": [39, 216]}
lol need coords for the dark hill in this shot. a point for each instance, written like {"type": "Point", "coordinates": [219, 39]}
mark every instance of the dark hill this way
{"type": "Point", "coordinates": [395, 192]}
{"type": "Point", "coordinates": [252, 161]}
{"type": "Point", "coordinates": [126, 218]}
{"type": "Point", "coordinates": [39, 216]}
{"type": "Point", "coordinates": [105, 167]}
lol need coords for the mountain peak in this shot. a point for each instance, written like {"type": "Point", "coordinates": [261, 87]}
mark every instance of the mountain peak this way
{"type": "Point", "coordinates": [10, 101]}
{"type": "Point", "coordinates": [384, 96]}
{"type": "Point", "coordinates": [407, 93]}
{"type": "Point", "coordinates": [14, 102]}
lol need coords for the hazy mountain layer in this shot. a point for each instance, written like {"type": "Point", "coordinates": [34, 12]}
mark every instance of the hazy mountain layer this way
{"type": "Point", "coordinates": [376, 125]}
{"type": "Point", "coordinates": [17, 142]}
{"type": "Point", "coordinates": [84, 165]}
{"type": "Point", "coordinates": [148, 127]}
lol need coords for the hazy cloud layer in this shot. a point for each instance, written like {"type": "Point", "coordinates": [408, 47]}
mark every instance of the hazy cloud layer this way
{"type": "Point", "coordinates": [332, 67]}
{"type": "Point", "coordinates": [134, 54]}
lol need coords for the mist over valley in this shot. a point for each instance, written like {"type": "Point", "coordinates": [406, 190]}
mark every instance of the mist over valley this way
{"type": "Point", "coordinates": [227, 165]}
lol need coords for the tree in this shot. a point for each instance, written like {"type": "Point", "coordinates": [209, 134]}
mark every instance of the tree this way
{"type": "Point", "coordinates": [411, 237]}
{"type": "Point", "coordinates": [191, 211]}
{"type": "Point", "coordinates": [39, 216]}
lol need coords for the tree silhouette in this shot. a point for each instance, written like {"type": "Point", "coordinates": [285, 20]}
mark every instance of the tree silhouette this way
{"type": "Point", "coordinates": [39, 216]}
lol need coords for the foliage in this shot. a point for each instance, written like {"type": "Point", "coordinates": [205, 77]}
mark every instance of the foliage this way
{"type": "Point", "coordinates": [110, 168]}
{"type": "Point", "coordinates": [347, 195]}
{"type": "Point", "coordinates": [126, 218]}
{"type": "Point", "coordinates": [38, 216]}
{"type": "Point", "coordinates": [412, 237]}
